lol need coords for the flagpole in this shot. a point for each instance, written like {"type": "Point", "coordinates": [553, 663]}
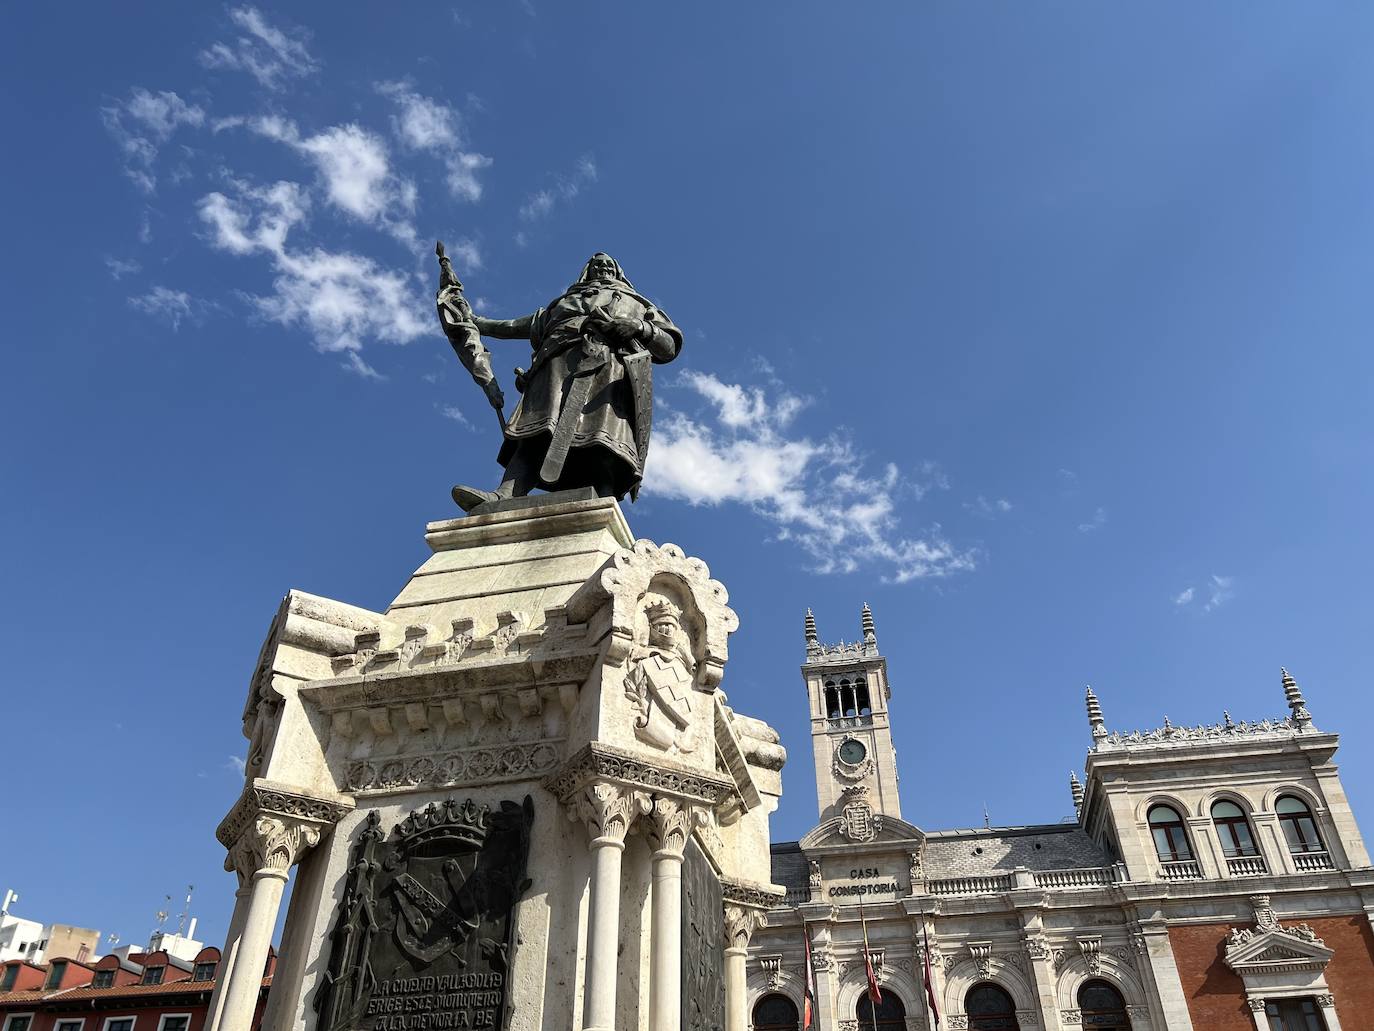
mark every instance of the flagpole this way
{"type": "Point", "coordinates": [868, 968]}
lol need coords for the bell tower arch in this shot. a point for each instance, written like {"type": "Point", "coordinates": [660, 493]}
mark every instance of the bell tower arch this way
{"type": "Point", "coordinates": [851, 738]}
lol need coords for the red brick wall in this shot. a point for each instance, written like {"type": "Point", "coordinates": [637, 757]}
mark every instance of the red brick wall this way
{"type": "Point", "coordinates": [1216, 996]}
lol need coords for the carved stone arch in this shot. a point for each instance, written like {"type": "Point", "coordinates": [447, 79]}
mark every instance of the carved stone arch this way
{"type": "Point", "coordinates": [1211, 798]}
{"type": "Point", "coordinates": [965, 974]}
{"type": "Point", "coordinates": [1313, 800]}
{"type": "Point", "coordinates": [854, 984]}
{"type": "Point", "coordinates": [1142, 809]}
{"type": "Point", "coordinates": [610, 601]}
{"type": "Point", "coordinates": [1117, 972]}
{"type": "Point", "coordinates": [757, 986]}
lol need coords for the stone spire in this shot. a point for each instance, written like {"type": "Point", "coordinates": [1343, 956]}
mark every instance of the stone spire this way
{"type": "Point", "coordinates": [1095, 719]}
{"type": "Point", "coordinates": [813, 642]}
{"type": "Point", "coordinates": [866, 619]}
{"type": "Point", "coordinates": [1076, 789]}
{"type": "Point", "coordinates": [1301, 717]}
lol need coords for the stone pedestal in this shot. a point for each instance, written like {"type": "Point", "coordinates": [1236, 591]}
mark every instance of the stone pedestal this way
{"type": "Point", "coordinates": [489, 790]}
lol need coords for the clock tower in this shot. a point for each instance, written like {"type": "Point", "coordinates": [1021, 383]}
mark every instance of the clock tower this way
{"type": "Point", "coordinates": [851, 738]}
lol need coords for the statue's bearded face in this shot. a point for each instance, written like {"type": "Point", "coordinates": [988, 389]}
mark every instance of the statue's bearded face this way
{"type": "Point", "coordinates": [601, 267]}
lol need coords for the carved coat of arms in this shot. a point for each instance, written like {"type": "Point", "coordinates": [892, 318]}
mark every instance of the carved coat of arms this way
{"type": "Point", "coordinates": [661, 682]}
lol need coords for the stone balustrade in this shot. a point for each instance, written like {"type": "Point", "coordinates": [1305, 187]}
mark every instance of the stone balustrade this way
{"type": "Point", "coordinates": [1308, 862]}
{"type": "Point", "coordinates": [1246, 866]}
{"type": "Point", "coordinates": [1085, 877]}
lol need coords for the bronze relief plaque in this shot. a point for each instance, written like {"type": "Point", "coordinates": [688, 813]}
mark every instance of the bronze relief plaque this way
{"type": "Point", "coordinates": [423, 934]}
{"type": "Point", "coordinates": [703, 944]}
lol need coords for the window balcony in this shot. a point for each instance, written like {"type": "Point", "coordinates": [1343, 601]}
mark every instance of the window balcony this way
{"type": "Point", "coordinates": [1245, 866]}
{"type": "Point", "coordinates": [1184, 870]}
{"type": "Point", "coordinates": [1307, 862]}
{"type": "Point", "coordinates": [865, 720]}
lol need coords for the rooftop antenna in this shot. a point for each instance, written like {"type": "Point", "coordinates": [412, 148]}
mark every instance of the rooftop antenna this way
{"type": "Point", "coordinates": [10, 896]}
{"type": "Point", "coordinates": [987, 818]}
{"type": "Point", "coordinates": [185, 910]}
{"type": "Point", "coordinates": [112, 940]}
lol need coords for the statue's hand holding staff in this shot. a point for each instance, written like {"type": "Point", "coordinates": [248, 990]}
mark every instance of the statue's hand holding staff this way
{"type": "Point", "coordinates": [620, 332]}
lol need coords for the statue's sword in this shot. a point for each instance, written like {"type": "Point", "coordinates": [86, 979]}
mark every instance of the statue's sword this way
{"type": "Point", "coordinates": [557, 454]}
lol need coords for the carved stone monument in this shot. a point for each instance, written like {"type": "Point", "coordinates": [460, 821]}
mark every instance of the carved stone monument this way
{"type": "Point", "coordinates": [515, 798]}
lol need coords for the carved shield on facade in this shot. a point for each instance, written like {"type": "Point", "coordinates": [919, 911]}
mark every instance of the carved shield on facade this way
{"type": "Point", "coordinates": [423, 935]}
{"type": "Point", "coordinates": [703, 944]}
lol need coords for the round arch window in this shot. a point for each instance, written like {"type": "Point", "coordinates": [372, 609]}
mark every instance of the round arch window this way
{"type": "Point", "coordinates": [1234, 830]}
{"type": "Point", "coordinates": [1299, 828]}
{"type": "Point", "coordinates": [776, 1012]}
{"type": "Point", "coordinates": [1103, 1007]}
{"type": "Point", "coordinates": [990, 1008]}
{"type": "Point", "coordinates": [888, 1015]}
{"type": "Point", "coordinates": [1171, 839]}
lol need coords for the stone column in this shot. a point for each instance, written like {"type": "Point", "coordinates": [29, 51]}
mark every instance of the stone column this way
{"type": "Point", "coordinates": [265, 852]}
{"type": "Point", "coordinates": [741, 922]}
{"type": "Point", "coordinates": [608, 811]}
{"type": "Point", "coordinates": [1040, 956]}
{"type": "Point", "coordinates": [230, 951]}
{"type": "Point", "coordinates": [670, 825]}
{"type": "Point", "coordinates": [1168, 994]}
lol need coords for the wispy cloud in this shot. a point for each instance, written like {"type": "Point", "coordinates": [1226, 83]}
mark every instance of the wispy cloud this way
{"type": "Point", "coordinates": [1098, 520]}
{"type": "Point", "coordinates": [142, 124]}
{"type": "Point", "coordinates": [816, 494]}
{"type": "Point", "coordinates": [988, 508]}
{"type": "Point", "coordinates": [172, 306]}
{"type": "Point", "coordinates": [269, 54]}
{"type": "Point", "coordinates": [563, 189]}
{"type": "Point", "coordinates": [424, 124]}
{"type": "Point", "coordinates": [456, 414]}
{"type": "Point", "coordinates": [343, 299]}
{"type": "Point", "coordinates": [237, 764]}
{"type": "Point", "coordinates": [1184, 597]}
{"type": "Point", "coordinates": [1218, 590]}
{"type": "Point", "coordinates": [120, 268]}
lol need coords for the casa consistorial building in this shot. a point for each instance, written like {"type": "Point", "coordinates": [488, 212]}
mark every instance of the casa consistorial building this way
{"type": "Point", "coordinates": [1214, 880]}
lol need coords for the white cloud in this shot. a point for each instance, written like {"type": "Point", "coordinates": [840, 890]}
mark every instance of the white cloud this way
{"type": "Point", "coordinates": [424, 124]}
{"type": "Point", "coordinates": [1184, 597]}
{"type": "Point", "coordinates": [815, 493]}
{"type": "Point", "coordinates": [988, 508]}
{"type": "Point", "coordinates": [236, 764]}
{"type": "Point", "coordinates": [1220, 590]}
{"type": "Point", "coordinates": [141, 124]}
{"type": "Point", "coordinates": [343, 300]}
{"type": "Point", "coordinates": [269, 54]}
{"type": "Point", "coordinates": [456, 414]}
{"type": "Point", "coordinates": [1098, 521]}
{"type": "Point", "coordinates": [120, 268]}
{"type": "Point", "coordinates": [161, 302]}
{"type": "Point", "coordinates": [564, 188]}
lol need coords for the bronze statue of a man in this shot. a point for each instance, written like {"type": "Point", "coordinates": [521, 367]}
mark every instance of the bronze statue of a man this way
{"type": "Point", "coordinates": [587, 404]}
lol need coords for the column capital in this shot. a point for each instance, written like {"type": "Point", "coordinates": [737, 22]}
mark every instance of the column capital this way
{"type": "Point", "coordinates": [670, 823]}
{"type": "Point", "coordinates": [272, 825]}
{"type": "Point", "coordinates": [740, 924]}
{"type": "Point", "coordinates": [608, 810]}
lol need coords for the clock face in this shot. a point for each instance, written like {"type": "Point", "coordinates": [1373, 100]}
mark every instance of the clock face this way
{"type": "Point", "coordinates": [853, 752]}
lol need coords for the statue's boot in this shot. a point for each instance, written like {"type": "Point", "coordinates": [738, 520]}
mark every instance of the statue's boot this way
{"type": "Point", "coordinates": [468, 498]}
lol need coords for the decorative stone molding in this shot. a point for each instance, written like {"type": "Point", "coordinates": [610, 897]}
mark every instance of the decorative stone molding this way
{"type": "Point", "coordinates": [1227, 731]}
{"type": "Point", "coordinates": [1037, 948]}
{"type": "Point", "coordinates": [599, 762]}
{"type": "Point", "coordinates": [453, 768]}
{"type": "Point", "coordinates": [625, 579]}
{"type": "Point", "coordinates": [1027, 1018]}
{"type": "Point", "coordinates": [772, 969]}
{"type": "Point", "coordinates": [608, 810]}
{"type": "Point", "coordinates": [1325, 1001]}
{"type": "Point", "coordinates": [849, 1025]}
{"type": "Point", "coordinates": [273, 844]}
{"type": "Point", "coordinates": [850, 771]}
{"type": "Point", "coordinates": [747, 893]}
{"type": "Point", "coordinates": [982, 957]}
{"type": "Point", "coordinates": [264, 798]}
{"type": "Point", "coordinates": [1091, 949]}
{"type": "Point", "coordinates": [958, 1022]}
{"type": "Point", "coordinates": [740, 924]}
{"type": "Point", "coordinates": [859, 823]}
{"type": "Point", "coordinates": [1073, 1018]}
{"type": "Point", "coordinates": [1256, 1005]}
{"type": "Point", "coordinates": [670, 824]}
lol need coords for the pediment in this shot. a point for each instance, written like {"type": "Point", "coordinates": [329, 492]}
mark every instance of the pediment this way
{"type": "Point", "coordinates": [1256, 952]}
{"type": "Point", "coordinates": [893, 830]}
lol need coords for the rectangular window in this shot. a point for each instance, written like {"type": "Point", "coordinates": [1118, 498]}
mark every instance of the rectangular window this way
{"type": "Point", "coordinates": [103, 979]}
{"type": "Point", "coordinates": [55, 974]}
{"type": "Point", "coordinates": [203, 972]}
{"type": "Point", "coordinates": [119, 1024]}
{"type": "Point", "coordinates": [7, 982]}
{"type": "Point", "coordinates": [175, 1022]}
{"type": "Point", "coordinates": [69, 1025]}
{"type": "Point", "coordinates": [153, 975]}
{"type": "Point", "coordinates": [20, 1022]}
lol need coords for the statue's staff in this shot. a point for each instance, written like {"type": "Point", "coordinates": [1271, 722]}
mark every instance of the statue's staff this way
{"type": "Point", "coordinates": [455, 315]}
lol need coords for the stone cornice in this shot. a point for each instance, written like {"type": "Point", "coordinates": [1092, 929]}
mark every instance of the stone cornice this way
{"type": "Point", "coordinates": [268, 798]}
{"type": "Point", "coordinates": [600, 762]}
{"type": "Point", "coordinates": [749, 893]}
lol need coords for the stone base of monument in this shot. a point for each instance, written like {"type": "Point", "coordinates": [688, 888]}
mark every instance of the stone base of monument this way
{"type": "Point", "coordinates": [516, 798]}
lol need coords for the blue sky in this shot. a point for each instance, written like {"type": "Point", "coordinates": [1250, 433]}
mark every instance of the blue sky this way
{"type": "Point", "coordinates": [1045, 329]}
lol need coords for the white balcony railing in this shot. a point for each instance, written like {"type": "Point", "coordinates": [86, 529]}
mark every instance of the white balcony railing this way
{"type": "Point", "coordinates": [1245, 866]}
{"type": "Point", "coordinates": [1187, 870]}
{"type": "Point", "coordinates": [1306, 862]}
{"type": "Point", "coordinates": [1086, 877]}
{"type": "Point", "coordinates": [970, 885]}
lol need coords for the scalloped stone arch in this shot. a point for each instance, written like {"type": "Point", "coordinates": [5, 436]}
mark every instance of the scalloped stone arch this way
{"type": "Point", "coordinates": [1115, 972]}
{"type": "Point", "coordinates": [964, 975]}
{"type": "Point", "coordinates": [626, 577]}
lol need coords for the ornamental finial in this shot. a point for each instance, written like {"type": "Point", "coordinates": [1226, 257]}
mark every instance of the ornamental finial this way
{"type": "Point", "coordinates": [1095, 719]}
{"type": "Point", "coordinates": [813, 642]}
{"type": "Point", "coordinates": [1301, 717]}
{"type": "Point", "coordinates": [1076, 789]}
{"type": "Point", "coordinates": [866, 620]}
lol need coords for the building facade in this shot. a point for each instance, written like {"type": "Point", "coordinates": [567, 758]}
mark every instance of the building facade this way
{"type": "Point", "coordinates": [1213, 879]}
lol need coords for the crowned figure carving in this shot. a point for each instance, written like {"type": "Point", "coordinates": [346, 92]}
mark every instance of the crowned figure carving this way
{"type": "Point", "coordinates": [661, 679]}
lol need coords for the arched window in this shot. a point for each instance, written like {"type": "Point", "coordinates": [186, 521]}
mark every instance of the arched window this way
{"type": "Point", "coordinates": [1298, 825]}
{"type": "Point", "coordinates": [775, 1013]}
{"type": "Point", "coordinates": [1234, 830]}
{"type": "Point", "coordinates": [888, 1015]}
{"type": "Point", "coordinates": [1103, 1007]}
{"type": "Point", "coordinates": [990, 1008]}
{"type": "Point", "coordinates": [863, 701]}
{"type": "Point", "coordinates": [1171, 840]}
{"type": "Point", "coordinates": [847, 698]}
{"type": "Point", "coordinates": [832, 701]}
